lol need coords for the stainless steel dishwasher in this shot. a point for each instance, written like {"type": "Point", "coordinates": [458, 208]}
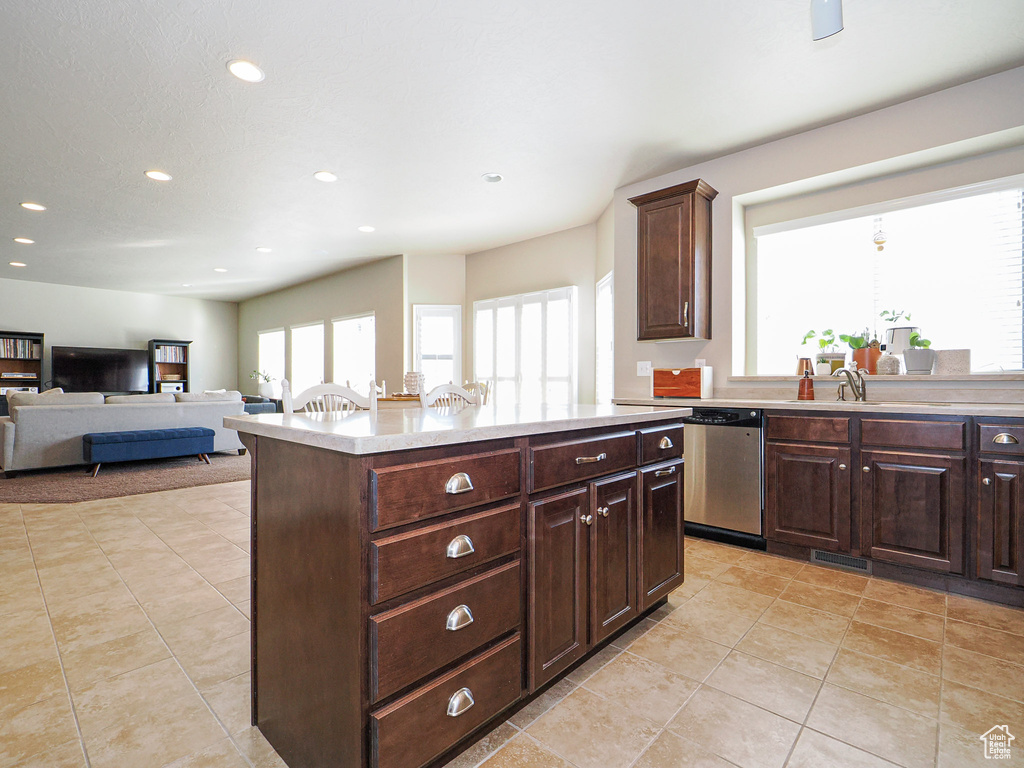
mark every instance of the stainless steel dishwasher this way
{"type": "Point", "coordinates": [722, 494]}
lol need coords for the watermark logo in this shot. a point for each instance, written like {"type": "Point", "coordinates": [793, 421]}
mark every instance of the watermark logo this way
{"type": "Point", "coordinates": [997, 742]}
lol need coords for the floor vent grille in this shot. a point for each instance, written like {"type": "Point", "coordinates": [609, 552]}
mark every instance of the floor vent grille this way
{"type": "Point", "coordinates": [858, 564]}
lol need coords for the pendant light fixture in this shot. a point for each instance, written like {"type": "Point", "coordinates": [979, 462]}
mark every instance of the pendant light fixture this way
{"type": "Point", "coordinates": [826, 18]}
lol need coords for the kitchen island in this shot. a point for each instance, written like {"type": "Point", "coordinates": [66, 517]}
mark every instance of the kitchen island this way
{"type": "Point", "coordinates": [416, 573]}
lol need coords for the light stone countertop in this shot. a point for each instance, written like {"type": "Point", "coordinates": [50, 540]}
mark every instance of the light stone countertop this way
{"type": "Point", "coordinates": [830, 404]}
{"type": "Point", "coordinates": [402, 429]}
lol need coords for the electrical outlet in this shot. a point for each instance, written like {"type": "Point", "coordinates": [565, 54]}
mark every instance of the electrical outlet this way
{"type": "Point", "coordinates": [643, 368]}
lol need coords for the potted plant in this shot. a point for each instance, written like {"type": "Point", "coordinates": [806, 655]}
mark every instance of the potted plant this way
{"type": "Point", "coordinates": [866, 350]}
{"type": "Point", "coordinates": [918, 357]}
{"type": "Point", "coordinates": [898, 336]}
{"type": "Point", "coordinates": [826, 355]}
{"type": "Point", "coordinates": [263, 379]}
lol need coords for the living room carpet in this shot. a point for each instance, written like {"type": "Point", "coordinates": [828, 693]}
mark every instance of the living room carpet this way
{"type": "Point", "coordinates": [70, 484]}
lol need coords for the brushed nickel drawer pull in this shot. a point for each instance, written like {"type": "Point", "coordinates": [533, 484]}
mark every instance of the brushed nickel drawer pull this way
{"type": "Point", "coordinates": [460, 702]}
{"type": "Point", "coordinates": [603, 511]}
{"type": "Point", "coordinates": [686, 314]}
{"type": "Point", "coordinates": [842, 466]}
{"type": "Point", "coordinates": [591, 459]}
{"type": "Point", "coordinates": [458, 483]}
{"type": "Point", "coordinates": [587, 519]}
{"type": "Point", "coordinates": [865, 469]}
{"type": "Point", "coordinates": [987, 481]}
{"type": "Point", "coordinates": [665, 472]}
{"type": "Point", "coordinates": [664, 444]}
{"type": "Point", "coordinates": [459, 618]}
{"type": "Point", "coordinates": [460, 546]}
{"type": "Point", "coordinates": [1003, 438]}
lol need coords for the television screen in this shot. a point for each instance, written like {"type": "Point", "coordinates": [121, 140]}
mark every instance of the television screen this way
{"type": "Point", "coordinates": [87, 369]}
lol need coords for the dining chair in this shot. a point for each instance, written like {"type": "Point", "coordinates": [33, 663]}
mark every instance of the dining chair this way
{"type": "Point", "coordinates": [449, 396]}
{"type": "Point", "coordinates": [328, 398]}
{"type": "Point", "coordinates": [478, 387]}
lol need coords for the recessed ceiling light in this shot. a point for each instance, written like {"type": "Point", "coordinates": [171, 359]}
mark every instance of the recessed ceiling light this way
{"type": "Point", "coordinates": [263, 249]}
{"type": "Point", "coordinates": [324, 176]}
{"type": "Point", "coordinates": [158, 175]}
{"type": "Point", "coordinates": [367, 229]}
{"type": "Point", "coordinates": [219, 269]}
{"type": "Point", "coordinates": [23, 240]}
{"type": "Point", "coordinates": [246, 70]}
{"type": "Point", "coordinates": [492, 178]}
{"type": "Point", "coordinates": [17, 263]}
{"type": "Point", "coordinates": [186, 285]}
{"type": "Point", "coordinates": [33, 207]}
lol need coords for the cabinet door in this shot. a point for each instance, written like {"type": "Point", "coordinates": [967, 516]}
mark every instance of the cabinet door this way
{"type": "Point", "coordinates": [661, 531]}
{"type": "Point", "coordinates": [557, 594]}
{"type": "Point", "coordinates": [912, 509]}
{"type": "Point", "coordinates": [1001, 521]}
{"type": "Point", "coordinates": [808, 495]}
{"type": "Point", "coordinates": [613, 572]}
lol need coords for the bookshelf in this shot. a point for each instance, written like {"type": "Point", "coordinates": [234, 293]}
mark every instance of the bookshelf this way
{"type": "Point", "coordinates": [168, 365]}
{"type": "Point", "coordinates": [21, 363]}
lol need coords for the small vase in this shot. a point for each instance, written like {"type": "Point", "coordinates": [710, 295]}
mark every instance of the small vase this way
{"type": "Point", "coordinates": [823, 369]}
{"type": "Point", "coordinates": [265, 389]}
{"type": "Point", "coordinates": [919, 361]}
{"type": "Point", "coordinates": [866, 359]}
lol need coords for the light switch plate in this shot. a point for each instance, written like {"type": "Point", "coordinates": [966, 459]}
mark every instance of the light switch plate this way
{"type": "Point", "coordinates": [643, 368]}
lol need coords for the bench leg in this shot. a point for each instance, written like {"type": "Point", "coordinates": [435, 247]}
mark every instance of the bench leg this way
{"type": "Point", "coordinates": [241, 451]}
{"type": "Point", "coordinates": [96, 470]}
{"type": "Point", "coordinates": [204, 457]}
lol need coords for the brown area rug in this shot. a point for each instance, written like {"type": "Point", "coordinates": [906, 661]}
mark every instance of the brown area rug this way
{"type": "Point", "coordinates": [126, 478]}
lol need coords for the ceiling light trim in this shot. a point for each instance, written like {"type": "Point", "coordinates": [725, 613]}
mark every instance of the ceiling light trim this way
{"type": "Point", "coordinates": [826, 18]}
{"type": "Point", "coordinates": [246, 71]}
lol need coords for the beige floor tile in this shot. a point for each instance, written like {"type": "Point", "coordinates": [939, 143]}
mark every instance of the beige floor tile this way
{"type": "Point", "coordinates": [796, 652]}
{"type": "Point", "coordinates": [983, 672]}
{"type": "Point", "coordinates": [744, 734]}
{"type": "Point", "coordinates": [68, 755]}
{"type": "Point", "coordinates": [25, 638]}
{"type": "Point", "coordinates": [766, 685]}
{"type": "Point", "coordinates": [888, 682]}
{"type": "Point", "coordinates": [161, 587]}
{"type": "Point", "coordinates": [653, 691]}
{"type": "Point", "coordinates": [671, 751]}
{"type": "Point", "coordinates": [873, 726]}
{"type": "Point", "coordinates": [916, 598]}
{"type": "Point", "coordinates": [816, 750]}
{"type": "Point", "coordinates": [257, 749]}
{"type": "Point", "coordinates": [702, 568]}
{"type": "Point", "coordinates": [832, 578]}
{"type": "Point", "coordinates": [963, 749]}
{"type": "Point", "coordinates": [910, 622]}
{"type": "Point", "coordinates": [227, 571]}
{"type": "Point", "coordinates": [97, 618]}
{"type": "Point", "coordinates": [114, 657]}
{"type": "Point", "coordinates": [236, 590]}
{"type": "Point", "coordinates": [712, 550]}
{"type": "Point", "coordinates": [687, 654]}
{"type": "Point", "coordinates": [204, 629]}
{"type": "Point", "coordinates": [591, 665]}
{"type": "Point", "coordinates": [821, 598]}
{"type": "Point", "coordinates": [246, 608]}
{"type": "Point", "coordinates": [990, 615]}
{"type": "Point", "coordinates": [913, 652]}
{"type": "Point", "coordinates": [490, 743]}
{"type": "Point", "coordinates": [223, 754]}
{"type": "Point", "coordinates": [753, 581]}
{"type": "Point", "coordinates": [36, 728]}
{"type": "Point", "coordinates": [634, 633]}
{"type": "Point", "coordinates": [545, 701]}
{"type": "Point", "coordinates": [773, 564]}
{"type": "Point", "coordinates": [593, 732]}
{"type": "Point", "coordinates": [977, 711]}
{"type": "Point", "coordinates": [720, 625]}
{"type": "Point", "coordinates": [727, 597]}
{"type": "Point", "coordinates": [231, 702]}
{"type": "Point", "coordinates": [989, 642]}
{"type": "Point", "coordinates": [691, 586]}
{"type": "Point", "coordinates": [23, 687]}
{"type": "Point", "coordinates": [184, 605]}
{"type": "Point", "coordinates": [809, 622]}
{"type": "Point", "coordinates": [520, 752]}
{"type": "Point", "coordinates": [218, 661]}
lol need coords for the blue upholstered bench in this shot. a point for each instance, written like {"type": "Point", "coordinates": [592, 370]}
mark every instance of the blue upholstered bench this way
{"type": "Point", "coordinates": [135, 445]}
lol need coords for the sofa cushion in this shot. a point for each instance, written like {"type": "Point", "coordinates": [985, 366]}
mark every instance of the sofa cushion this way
{"type": "Point", "coordinates": [164, 397]}
{"type": "Point", "coordinates": [196, 397]}
{"type": "Point", "coordinates": [17, 400]}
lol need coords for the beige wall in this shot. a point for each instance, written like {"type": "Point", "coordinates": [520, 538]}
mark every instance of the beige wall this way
{"type": "Point", "coordinates": [432, 280]}
{"type": "Point", "coordinates": [94, 317]}
{"type": "Point", "coordinates": [966, 134]}
{"type": "Point", "coordinates": [552, 261]}
{"type": "Point", "coordinates": [377, 287]}
{"type": "Point", "coordinates": [605, 242]}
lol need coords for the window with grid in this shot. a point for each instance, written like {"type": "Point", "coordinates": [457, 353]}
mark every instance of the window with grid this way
{"type": "Point", "coordinates": [437, 343]}
{"type": "Point", "coordinates": [524, 347]}
{"type": "Point", "coordinates": [953, 260]}
{"type": "Point", "coordinates": [271, 355]}
{"type": "Point", "coordinates": [355, 351]}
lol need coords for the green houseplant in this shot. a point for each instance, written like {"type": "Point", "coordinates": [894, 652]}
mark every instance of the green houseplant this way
{"type": "Point", "coordinates": [919, 357]}
{"type": "Point", "coordinates": [826, 354]}
{"type": "Point", "coordinates": [866, 350]}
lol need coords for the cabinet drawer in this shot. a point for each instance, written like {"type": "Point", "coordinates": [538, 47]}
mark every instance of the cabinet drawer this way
{"type": "Point", "coordinates": [815, 429]}
{"type": "Point", "coordinates": [406, 561]}
{"type": "Point", "coordinates": [895, 433]}
{"type": "Point", "coordinates": [411, 492]}
{"type": "Point", "coordinates": [563, 463]}
{"type": "Point", "coordinates": [661, 443]}
{"type": "Point", "coordinates": [1001, 438]}
{"type": "Point", "coordinates": [422, 725]}
{"type": "Point", "coordinates": [410, 642]}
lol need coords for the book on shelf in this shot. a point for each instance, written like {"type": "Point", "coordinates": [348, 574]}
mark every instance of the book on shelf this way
{"type": "Point", "coordinates": [20, 349]}
{"type": "Point", "coordinates": [17, 375]}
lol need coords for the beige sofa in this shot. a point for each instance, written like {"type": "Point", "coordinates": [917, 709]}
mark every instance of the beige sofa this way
{"type": "Point", "coordinates": [46, 430]}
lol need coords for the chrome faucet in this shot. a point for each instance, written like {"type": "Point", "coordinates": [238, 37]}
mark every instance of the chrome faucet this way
{"type": "Point", "coordinates": [856, 381]}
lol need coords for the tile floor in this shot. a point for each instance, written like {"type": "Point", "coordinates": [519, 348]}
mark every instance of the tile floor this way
{"type": "Point", "coordinates": [124, 641]}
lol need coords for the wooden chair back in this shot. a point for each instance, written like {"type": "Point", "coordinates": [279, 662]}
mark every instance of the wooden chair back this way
{"type": "Point", "coordinates": [328, 398]}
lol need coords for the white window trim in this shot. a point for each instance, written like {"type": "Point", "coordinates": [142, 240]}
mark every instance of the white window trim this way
{"type": "Point", "coordinates": [609, 282]}
{"type": "Point", "coordinates": [437, 310]}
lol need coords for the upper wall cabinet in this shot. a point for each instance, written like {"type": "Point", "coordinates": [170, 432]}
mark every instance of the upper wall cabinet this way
{"type": "Point", "coordinates": [674, 262]}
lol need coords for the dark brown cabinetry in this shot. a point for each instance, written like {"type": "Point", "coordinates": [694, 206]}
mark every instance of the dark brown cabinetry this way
{"type": "Point", "coordinates": [1000, 550]}
{"type": "Point", "coordinates": [808, 495]}
{"type": "Point", "coordinates": [661, 532]}
{"type": "Point", "coordinates": [613, 570]}
{"type": "Point", "coordinates": [21, 364]}
{"type": "Point", "coordinates": [674, 262]}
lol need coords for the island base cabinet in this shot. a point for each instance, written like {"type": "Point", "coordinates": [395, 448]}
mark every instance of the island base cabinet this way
{"type": "Point", "coordinates": [1001, 521]}
{"type": "Point", "coordinates": [661, 531]}
{"type": "Point", "coordinates": [613, 571]}
{"type": "Point", "coordinates": [807, 496]}
{"type": "Point", "coordinates": [912, 509]}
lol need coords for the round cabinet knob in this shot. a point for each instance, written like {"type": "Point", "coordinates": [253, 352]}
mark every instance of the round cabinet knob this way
{"type": "Point", "coordinates": [842, 466]}
{"type": "Point", "coordinates": [866, 469]}
{"type": "Point", "coordinates": [587, 519]}
{"type": "Point", "coordinates": [987, 480]}
{"type": "Point", "coordinates": [603, 511]}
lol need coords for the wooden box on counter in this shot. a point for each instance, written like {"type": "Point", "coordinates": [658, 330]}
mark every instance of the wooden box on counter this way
{"type": "Point", "coordinates": [681, 382]}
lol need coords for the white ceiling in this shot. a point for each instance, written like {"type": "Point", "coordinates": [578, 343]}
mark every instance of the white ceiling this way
{"type": "Point", "coordinates": [409, 102]}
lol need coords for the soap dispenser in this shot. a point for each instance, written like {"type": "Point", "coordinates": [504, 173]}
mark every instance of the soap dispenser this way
{"type": "Point", "coordinates": [806, 389]}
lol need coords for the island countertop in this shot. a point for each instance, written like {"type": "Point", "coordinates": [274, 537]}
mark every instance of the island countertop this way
{"type": "Point", "coordinates": [360, 432]}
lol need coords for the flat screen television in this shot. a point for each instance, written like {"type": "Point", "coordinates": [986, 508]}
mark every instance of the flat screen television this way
{"type": "Point", "coordinates": [88, 369]}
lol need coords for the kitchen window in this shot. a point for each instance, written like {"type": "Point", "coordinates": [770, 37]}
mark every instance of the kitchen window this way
{"type": "Point", "coordinates": [437, 343]}
{"type": "Point", "coordinates": [524, 347]}
{"type": "Point", "coordinates": [307, 357]}
{"type": "Point", "coordinates": [953, 260]}
{"type": "Point", "coordinates": [271, 356]}
{"type": "Point", "coordinates": [604, 340]}
{"type": "Point", "coordinates": [355, 351]}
